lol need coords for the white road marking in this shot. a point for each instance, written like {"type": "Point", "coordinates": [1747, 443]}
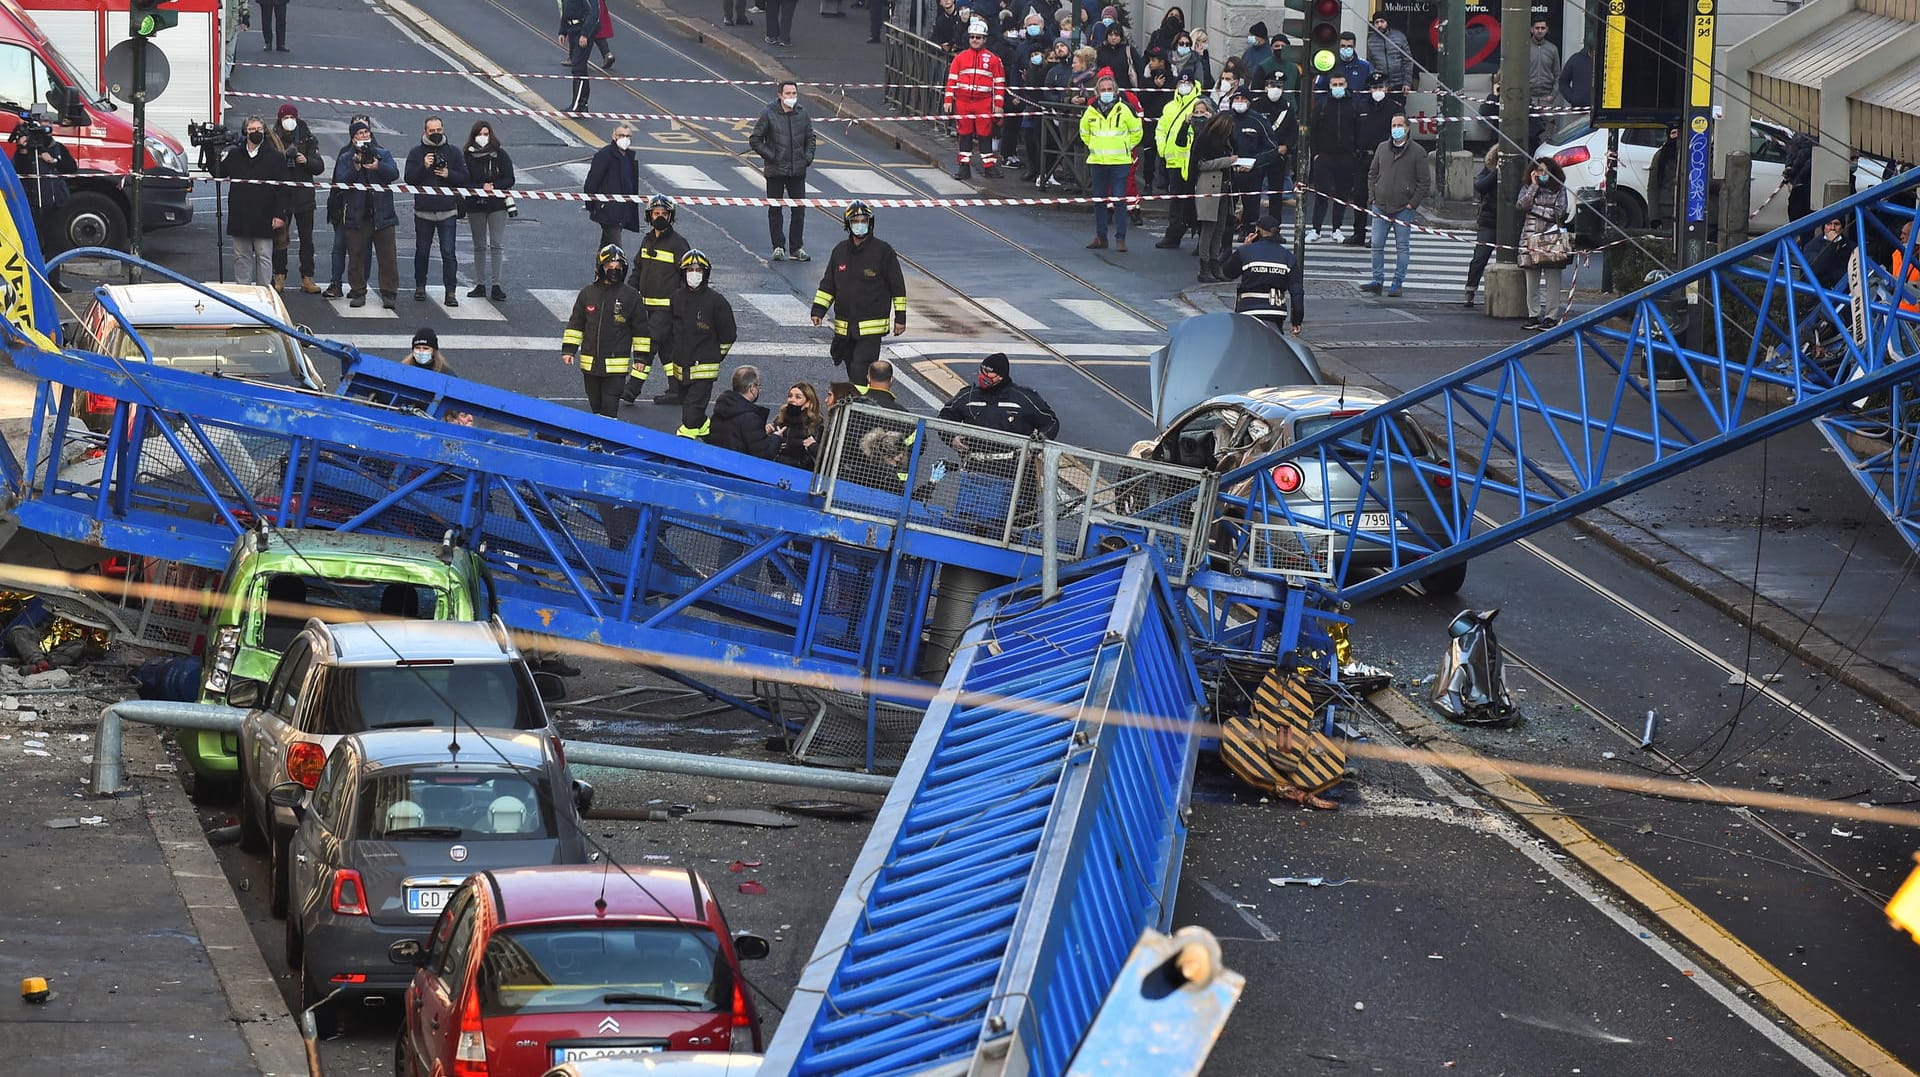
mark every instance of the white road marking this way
{"type": "Point", "coordinates": [577, 171]}
{"type": "Point", "coordinates": [472, 310]}
{"type": "Point", "coordinates": [1105, 315]}
{"type": "Point", "coordinates": [863, 181]}
{"type": "Point", "coordinates": [780, 307]}
{"type": "Point", "coordinates": [685, 177]}
{"type": "Point", "coordinates": [941, 183]}
{"type": "Point", "coordinates": [1253, 921]}
{"type": "Point", "coordinates": [756, 181]}
{"type": "Point", "coordinates": [1012, 315]}
{"type": "Point", "coordinates": [558, 301]}
{"type": "Point", "coordinates": [373, 309]}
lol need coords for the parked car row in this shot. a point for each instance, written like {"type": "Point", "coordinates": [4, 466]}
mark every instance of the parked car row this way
{"type": "Point", "coordinates": [426, 844]}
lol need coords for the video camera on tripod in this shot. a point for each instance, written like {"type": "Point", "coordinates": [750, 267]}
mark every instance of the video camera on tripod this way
{"type": "Point", "coordinates": [213, 141]}
{"type": "Point", "coordinates": [35, 129]}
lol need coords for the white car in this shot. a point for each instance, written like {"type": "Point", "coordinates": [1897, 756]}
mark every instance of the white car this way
{"type": "Point", "coordinates": [1581, 149]}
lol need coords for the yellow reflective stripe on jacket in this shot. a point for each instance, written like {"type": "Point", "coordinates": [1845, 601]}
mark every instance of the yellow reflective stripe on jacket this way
{"type": "Point", "coordinates": [823, 299]}
{"type": "Point", "coordinates": [871, 327]}
{"type": "Point", "coordinates": [654, 301]}
{"type": "Point", "coordinates": [643, 345]}
{"type": "Point", "coordinates": [840, 327]}
{"type": "Point", "coordinates": [1109, 136]}
{"type": "Point", "coordinates": [899, 304]}
{"type": "Point", "coordinates": [658, 254]}
{"type": "Point", "coordinates": [572, 336]}
{"type": "Point", "coordinates": [614, 364]}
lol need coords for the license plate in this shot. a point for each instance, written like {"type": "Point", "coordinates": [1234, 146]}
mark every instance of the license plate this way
{"type": "Point", "coordinates": [428, 900]}
{"type": "Point", "coordinates": [576, 1054]}
{"type": "Point", "coordinates": [1373, 521]}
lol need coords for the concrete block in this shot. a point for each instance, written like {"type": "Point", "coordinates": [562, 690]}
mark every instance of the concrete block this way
{"type": "Point", "coordinates": [1461, 166]}
{"type": "Point", "coordinates": [1506, 285]}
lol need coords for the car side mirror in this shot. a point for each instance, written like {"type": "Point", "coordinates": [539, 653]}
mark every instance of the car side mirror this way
{"type": "Point", "coordinates": [291, 795]}
{"type": "Point", "coordinates": [551, 688]}
{"type": "Point", "coordinates": [244, 693]}
{"type": "Point", "coordinates": [582, 797]}
{"type": "Point", "coordinates": [69, 105]}
{"type": "Point", "coordinates": [407, 952]}
{"type": "Point", "coordinates": [750, 947]}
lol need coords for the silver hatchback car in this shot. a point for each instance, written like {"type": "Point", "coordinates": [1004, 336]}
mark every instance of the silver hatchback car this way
{"type": "Point", "coordinates": [1224, 432]}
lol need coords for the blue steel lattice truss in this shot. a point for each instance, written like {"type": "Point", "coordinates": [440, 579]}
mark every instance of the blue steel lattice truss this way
{"type": "Point", "coordinates": [1034, 831]}
{"type": "Point", "coordinates": [1532, 436]}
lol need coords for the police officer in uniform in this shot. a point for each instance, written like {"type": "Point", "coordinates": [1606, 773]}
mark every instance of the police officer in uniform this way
{"type": "Point", "coordinates": [862, 283]}
{"type": "Point", "coordinates": [692, 336]}
{"type": "Point", "coordinates": [661, 249]}
{"type": "Point", "coordinates": [1270, 286]}
{"type": "Point", "coordinates": [994, 402]}
{"type": "Point", "coordinates": [600, 333]}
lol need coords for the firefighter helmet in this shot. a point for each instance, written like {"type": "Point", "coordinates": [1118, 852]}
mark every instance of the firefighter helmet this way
{"type": "Point", "coordinates": [608, 255]}
{"type": "Point", "coordinates": [695, 259]}
{"type": "Point", "coordinates": [854, 212]}
{"type": "Point", "coordinates": [660, 201]}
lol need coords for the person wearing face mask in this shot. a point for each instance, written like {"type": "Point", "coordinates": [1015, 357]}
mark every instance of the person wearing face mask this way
{"type": "Point", "coordinates": [1043, 164]}
{"type": "Point", "coordinates": [1270, 286]}
{"type": "Point", "coordinates": [1156, 89]}
{"type": "Point", "coordinates": [1334, 138]}
{"type": "Point", "coordinates": [255, 211]}
{"type": "Point", "coordinates": [1029, 90]}
{"type": "Point", "coordinates": [863, 282]}
{"type": "Point", "coordinates": [1005, 46]}
{"type": "Point", "coordinates": [1115, 53]}
{"type": "Point", "coordinates": [579, 19]}
{"type": "Point", "coordinates": [1277, 69]}
{"type": "Point", "coordinates": [490, 169]}
{"type": "Point", "coordinates": [661, 249]}
{"type": "Point", "coordinates": [368, 215]}
{"type": "Point", "coordinates": [1172, 25]}
{"type": "Point", "coordinates": [1397, 182]}
{"type": "Point", "coordinates": [1257, 48]}
{"type": "Point", "coordinates": [1275, 109]}
{"type": "Point", "coordinates": [1252, 138]}
{"type": "Point", "coordinates": [42, 172]}
{"type": "Point", "coordinates": [425, 353]}
{"type": "Point", "coordinates": [1543, 206]}
{"type": "Point", "coordinates": [336, 209]}
{"type": "Point", "coordinates": [797, 432]}
{"type": "Point", "coordinates": [301, 151]}
{"type": "Point", "coordinates": [1185, 62]}
{"type": "Point", "coordinates": [1109, 130]}
{"type": "Point", "coordinates": [975, 94]}
{"type": "Point", "coordinates": [693, 337]}
{"type": "Point", "coordinates": [1213, 162]}
{"type": "Point", "coordinates": [785, 141]}
{"type": "Point", "coordinates": [993, 402]}
{"type": "Point", "coordinates": [1347, 62]}
{"type": "Point", "coordinates": [1389, 54]}
{"type": "Point", "coordinates": [599, 334]}
{"type": "Point", "coordinates": [433, 163]}
{"type": "Point", "coordinates": [614, 171]}
{"type": "Point", "coordinates": [1373, 123]}
{"type": "Point", "coordinates": [1231, 79]}
{"type": "Point", "coordinates": [1173, 139]}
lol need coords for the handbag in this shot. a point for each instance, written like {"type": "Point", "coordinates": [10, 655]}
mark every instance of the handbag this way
{"type": "Point", "coordinates": [1550, 249]}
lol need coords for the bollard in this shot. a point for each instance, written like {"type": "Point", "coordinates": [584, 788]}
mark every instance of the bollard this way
{"type": "Point", "coordinates": [106, 747]}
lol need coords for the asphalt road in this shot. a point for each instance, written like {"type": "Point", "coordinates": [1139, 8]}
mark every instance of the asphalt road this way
{"type": "Point", "coordinates": [1460, 941]}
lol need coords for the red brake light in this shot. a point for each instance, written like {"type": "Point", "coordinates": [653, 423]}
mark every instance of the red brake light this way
{"type": "Point", "coordinates": [1286, 478]}
{"type": "Point", "coordinates": [1569, 157]}
{"type": "Point", "coordinates": [95, 404]}
{"type": "Point", "coordinates": [349, 897]}
{"type": "Point", "coordinates": [348, 978]}
{"type": "Point", "coordinates": [559, 749]}
{"type": "Point", "coordinates": [305, 760]}
{"type": "Point", "coordinates": [470, 1050]}
{"type": "Point", "coordinates": [740, 1017]}
{"type": "Point", "coordinates": [1443, 482]}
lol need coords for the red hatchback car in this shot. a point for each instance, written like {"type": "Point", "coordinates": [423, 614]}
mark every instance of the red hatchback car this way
{"type": "Point", "coordinates": [531, 967]}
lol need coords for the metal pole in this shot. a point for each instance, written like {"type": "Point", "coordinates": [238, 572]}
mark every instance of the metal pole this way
{"type": "Point", "coordinates": [1698, 135]}
{"type": "Point", "coordinates": [1049, 521]}
{"type": "Point", "coordinates": [137, 156]}
{"type": "Point", "coordinates": [1453, 76]}
{"type": "Point", "coordinates": [1613, 184]}
{"type": "Point", "coordinates": [107, 734]}
{"type": "Point", "coordinates": [1514, 49]}
{"type": "Point", "coordinates": [583, 753]}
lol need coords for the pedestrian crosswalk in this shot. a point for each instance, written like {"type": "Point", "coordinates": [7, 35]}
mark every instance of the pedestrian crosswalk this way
{"type": "Point", "coordinates": [822, 181]}
{"type": "Point", "coordinates": [1435, 263]}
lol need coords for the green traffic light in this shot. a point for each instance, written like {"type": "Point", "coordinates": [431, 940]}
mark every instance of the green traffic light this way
{"type": "Point", "coordinates": [145, 27]}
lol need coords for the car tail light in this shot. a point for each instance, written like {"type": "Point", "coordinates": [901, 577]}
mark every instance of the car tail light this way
{"type": "Point", "coordinates": [470, 1050]}
{"type": "Point", "coordinates": [1286, 478]}
{"type": "Point", "coordinates": [1443, 482]}
{"type": "Point", "coordinates": [349, 897]}
{"type": "Point", "coordinates": [348, 978]}
{"type": "Point", "coordinates": [305, 760]}
{"type": "Point", "coordinates": [95, 404]}
{"type": "Point", "coordinates": [559, 749]}
{"type": "Point", "coordinates": [741, 1018]}
{"type": "Point", "coordinates": [1576, 155]}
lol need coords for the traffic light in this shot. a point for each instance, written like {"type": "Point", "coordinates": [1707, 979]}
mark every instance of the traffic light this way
{"type": "Point", "coordinates": [148, 17]}
{"type": "Point", "coordinates": [1323, 35]}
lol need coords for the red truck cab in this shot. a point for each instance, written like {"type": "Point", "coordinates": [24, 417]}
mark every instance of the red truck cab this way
{"type": "Point", "coordinates": [99, 134]}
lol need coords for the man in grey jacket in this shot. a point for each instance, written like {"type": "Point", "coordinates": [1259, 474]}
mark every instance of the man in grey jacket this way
{"type": "Point", "coordinates": [1390, 55]}
{"type": "Point", "coordinates": [1397, 182]}
{"type": "Point", "coordinates": [785, 141]}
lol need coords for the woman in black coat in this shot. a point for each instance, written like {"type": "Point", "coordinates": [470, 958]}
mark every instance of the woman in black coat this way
{"type": "Point", "coordinates": [255, 211]}
{"type": "Point", "coordinates": [488, 167]}
{"type": "Point", "coordinates": [296, 143]}
{"type": "Point", "coordinates": [1487, 186]}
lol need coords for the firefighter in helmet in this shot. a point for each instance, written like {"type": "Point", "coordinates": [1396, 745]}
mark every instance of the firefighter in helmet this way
{"type": "Point", "coordinates": [865, 288]}
{"type": "Point", "coordinates": [692, 337]}
{"type": "Point", "coordinates": [607, 315]}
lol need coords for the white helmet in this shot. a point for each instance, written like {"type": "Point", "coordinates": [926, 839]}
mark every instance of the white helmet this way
{"type": "Point", "coordinates": [977, 28]}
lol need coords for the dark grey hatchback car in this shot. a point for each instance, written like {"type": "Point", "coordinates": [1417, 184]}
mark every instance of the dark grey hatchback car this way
{"type": "Point", "coordinates": [397, 820]}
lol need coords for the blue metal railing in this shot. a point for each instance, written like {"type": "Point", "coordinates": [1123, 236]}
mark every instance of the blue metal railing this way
{"type": "Point", "coordinates": [1034, 830]}
{"type": "Point", "coordinates": [1531, 435]}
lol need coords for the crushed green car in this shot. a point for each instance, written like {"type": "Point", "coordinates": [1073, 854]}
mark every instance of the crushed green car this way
{"type": "Point", "coordinates": [360, 576]}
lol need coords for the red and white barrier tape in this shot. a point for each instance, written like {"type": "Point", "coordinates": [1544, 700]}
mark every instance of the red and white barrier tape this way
{"type": "Point", "coordinates": [555, 113]}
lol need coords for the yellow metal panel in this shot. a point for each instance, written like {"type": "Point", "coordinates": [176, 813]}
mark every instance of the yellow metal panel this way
{"type": "Point", "coordinates": [1613, 79]}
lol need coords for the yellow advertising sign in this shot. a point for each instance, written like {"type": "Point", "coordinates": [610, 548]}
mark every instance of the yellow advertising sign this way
{"type": "Point", "coordinates": [1613, 77]}
{"type": "Point", "coordinates": [1700, 94]}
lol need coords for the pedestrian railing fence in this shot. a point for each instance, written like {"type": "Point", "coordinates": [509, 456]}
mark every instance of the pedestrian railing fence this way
{"type": "Point", "coordinates": [916, 72]}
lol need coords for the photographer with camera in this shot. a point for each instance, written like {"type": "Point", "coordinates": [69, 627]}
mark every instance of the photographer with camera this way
{"type": "Point", "coordinates": [292, 138]}
{"type": "Point", "coordinates": [434, 164]}
{"type": "Point", "coordinates": [368, 215]}
{"type": "Point", "coordinates": [255, 211]}
{"type": "Point", "coordinates": [41, 162]}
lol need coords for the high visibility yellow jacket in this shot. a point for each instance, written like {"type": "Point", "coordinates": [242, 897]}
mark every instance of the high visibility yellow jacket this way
{"type": "Point", "coordinates": [865, 287]}
{"type": "Point", "coordinates": [1109, 136]}
{"type": "Point", "coordinates": [601, 331]}
{"type": "Point", "coordinates": [1173, 137]}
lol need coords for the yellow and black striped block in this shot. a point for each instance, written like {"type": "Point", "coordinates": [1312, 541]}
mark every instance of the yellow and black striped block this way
{"type": "Point", "coordinates": [1276, 747]}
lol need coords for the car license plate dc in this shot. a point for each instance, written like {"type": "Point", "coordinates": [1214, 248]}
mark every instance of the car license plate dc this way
{"type": "Point", "coordinates": [577, 1054]}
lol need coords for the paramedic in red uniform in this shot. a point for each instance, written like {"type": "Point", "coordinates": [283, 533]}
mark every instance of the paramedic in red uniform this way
{"type": "Point", "coordinates": [976, 95]}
